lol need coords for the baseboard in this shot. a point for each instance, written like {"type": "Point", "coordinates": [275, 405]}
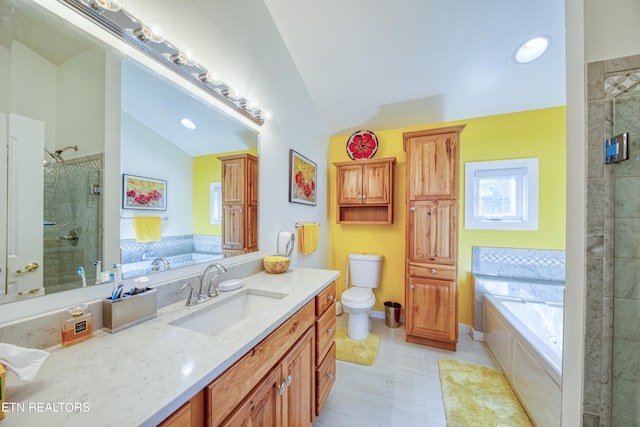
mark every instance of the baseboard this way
{"type": "Point", "coordinates": [380, 315]}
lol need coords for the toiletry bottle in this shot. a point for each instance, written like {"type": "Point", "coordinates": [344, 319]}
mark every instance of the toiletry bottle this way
{"type": "Point", "coordinates": [78, 327]}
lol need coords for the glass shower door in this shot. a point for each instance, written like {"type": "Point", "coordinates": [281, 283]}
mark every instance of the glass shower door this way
{"type": "Point", "coordinates": [625, 357]}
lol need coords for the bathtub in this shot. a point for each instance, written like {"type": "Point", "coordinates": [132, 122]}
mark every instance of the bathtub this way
{"type": "Point", "coordinates": [144, 267]}
{"type": "Point", "coordinates": [525, 338]}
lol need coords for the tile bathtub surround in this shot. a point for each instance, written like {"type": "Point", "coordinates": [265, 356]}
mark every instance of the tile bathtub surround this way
{"type": "Point", "coordinates": [168, 246]}
{"type": "Point", "coordinates": [611, 367]}
{"type": "Point", "coordinates": [522, 273]}
{"type": "Point", "coordinates": [43, 331]}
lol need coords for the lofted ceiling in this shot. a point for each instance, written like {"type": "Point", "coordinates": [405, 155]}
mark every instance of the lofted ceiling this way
{"type": "Point", "coordinates": [383, 64]}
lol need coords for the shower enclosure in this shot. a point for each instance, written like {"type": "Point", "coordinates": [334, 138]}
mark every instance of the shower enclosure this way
{"type": "Point", "coordinates": [612, 341]}
{"type": "Point", "coordinates": [72, 220]}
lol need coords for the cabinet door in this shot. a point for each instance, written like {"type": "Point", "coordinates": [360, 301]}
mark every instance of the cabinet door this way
{"type": "Point", "coordinates": [349, 184]}
{"type": "Point", "coordinates": [432, 166]}
{"type": "Point", "coordinates": [432, 231]}
{"type": "Point", "coordinates": [232, 227]}
{"type": "Point", "coordinates": [252, 228]}
{"type": "Point", "coordinates": [431, 309]}
{"type": "Point", "coordinates": [299, 378]}
{"type": "Point", "coordinates": [233, 182]}
{"type": "Point", "coordinates": [253, 182]}
{"type": "Point", "coordinates": [375, 183]}
{"type": "Point", "coordinates": [263, 406]}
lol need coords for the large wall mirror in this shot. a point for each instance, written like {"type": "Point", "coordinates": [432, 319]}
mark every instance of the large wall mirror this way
{"type": "Point", "coordinates": [62, 93]}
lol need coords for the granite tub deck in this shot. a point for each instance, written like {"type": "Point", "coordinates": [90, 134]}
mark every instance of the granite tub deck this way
{"type": "Point", "coordinates": [141, 375]}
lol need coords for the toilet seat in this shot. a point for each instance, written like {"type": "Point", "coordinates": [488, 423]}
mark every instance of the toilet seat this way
{"type": "Point", "coordinates": [358, 298]}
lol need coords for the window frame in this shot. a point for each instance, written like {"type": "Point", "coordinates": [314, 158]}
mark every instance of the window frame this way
{"type": "Point", "coordinates": [528, 195]}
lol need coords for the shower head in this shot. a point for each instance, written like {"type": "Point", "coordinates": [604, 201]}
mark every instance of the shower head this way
{"type": "Point", "coordinates": [55, 155]}
{"type": "Point", "coordinates": [68, 147]}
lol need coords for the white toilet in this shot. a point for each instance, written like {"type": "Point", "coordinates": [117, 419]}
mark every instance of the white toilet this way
{"type": "Point", "coordinates": [358, 300]}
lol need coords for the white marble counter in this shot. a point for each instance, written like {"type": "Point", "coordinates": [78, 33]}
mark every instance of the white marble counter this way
{"type": "Point", "coordinates": [141, 375]}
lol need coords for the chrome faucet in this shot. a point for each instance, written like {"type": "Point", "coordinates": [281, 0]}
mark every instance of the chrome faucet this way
{"type": "Point", "coordinates": [156, 263]}
{"type": "Point", "coordinates": [208, 289]}
{"type": "Point", "coordinates": [192, 299]}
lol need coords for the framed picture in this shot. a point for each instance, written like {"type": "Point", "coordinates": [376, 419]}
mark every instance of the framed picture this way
{"type": "Point", "coordinates": [302, 179]}
{"type": "Point", "coordinates": [144, 193]}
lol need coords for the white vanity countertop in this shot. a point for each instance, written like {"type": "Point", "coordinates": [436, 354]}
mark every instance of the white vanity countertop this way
{"type": "Point", "coordinates": [141, 375]}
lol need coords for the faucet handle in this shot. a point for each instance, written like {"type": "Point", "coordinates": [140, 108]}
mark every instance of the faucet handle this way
{"type": "Point", "coordinates": [192, 299]}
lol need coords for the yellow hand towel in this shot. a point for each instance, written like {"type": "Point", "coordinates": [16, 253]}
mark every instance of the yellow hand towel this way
{"type": "Point", "coordinates": [310, 238]}
{"type": "Point", "coordinates": [147, 228]}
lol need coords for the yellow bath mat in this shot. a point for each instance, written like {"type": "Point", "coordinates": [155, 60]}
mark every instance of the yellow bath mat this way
{"type": "Point", "coordinates": [478, 396]}
{"type": "Point", "coordinates": [363, 352]}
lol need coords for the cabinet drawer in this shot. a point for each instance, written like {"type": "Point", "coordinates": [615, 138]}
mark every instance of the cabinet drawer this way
{"type": "Point", "coordinates": [231, 387]}
{"type": "Point", "coordinates": [325, 299]}
{"type": "Point", "coordinates": [325, 334]}
{"type": "Point", "coordinates": [325, 377]}
{"type": "Point", "coordinates": [435, 271]}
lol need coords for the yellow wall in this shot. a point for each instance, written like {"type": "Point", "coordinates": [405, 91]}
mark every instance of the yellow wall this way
{"type": "Point", "coordinates": [538, 133]}
{"type": "Point", "coordinates": [206, 169]}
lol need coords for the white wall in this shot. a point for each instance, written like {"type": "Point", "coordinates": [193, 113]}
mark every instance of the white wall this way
{"type": "Point", "coordinates": [611, 29]}
{"type": "Point", "coordinates": [147, 154]}
{"type": "Point", "coordinates": [81, 105]}
{"type": "Point", "coordinates": [240, 39]}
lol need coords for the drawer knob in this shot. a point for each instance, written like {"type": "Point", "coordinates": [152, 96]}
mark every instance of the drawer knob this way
{"type": "Point", "coordinates": [330, 331]}
{"type": "Point", "coordinates": [281, 389]}
{"type": "Point", "coordinates": [434, 271]}
{"type": "Point", "coordinates": [330, 298]}
{"type": "Point", "coordinates": [288, 380]}
{"type": "Point", "coordinates": [330, 376]}
{"type": "Point", "coordinates": [412, 208]}
{"type": "Point", "coordinates": [411, 286]}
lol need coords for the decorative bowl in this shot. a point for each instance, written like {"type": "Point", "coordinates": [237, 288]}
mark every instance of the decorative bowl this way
{"type": "Point", "coordinates": [276, 264]}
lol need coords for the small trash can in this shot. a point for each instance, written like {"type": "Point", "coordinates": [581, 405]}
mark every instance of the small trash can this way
{"type": "Point", "coordinates": [392, 314]}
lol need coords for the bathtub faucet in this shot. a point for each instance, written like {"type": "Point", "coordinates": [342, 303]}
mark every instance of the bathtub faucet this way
{"type": "Point", "coordinates": [156, 264]}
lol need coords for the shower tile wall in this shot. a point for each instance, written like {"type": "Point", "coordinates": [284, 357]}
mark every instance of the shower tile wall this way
{"type": "Point", "coordinates": [61, 257]}
{"type": "Point", "coordinates": [612, 338]}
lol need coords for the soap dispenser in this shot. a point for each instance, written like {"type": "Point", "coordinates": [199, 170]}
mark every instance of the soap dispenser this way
{"type": "Point", "coordinates": [78, 326]}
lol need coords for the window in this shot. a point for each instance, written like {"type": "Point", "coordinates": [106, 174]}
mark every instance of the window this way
{"type": "Point", "coordinates": [215, 191]}
{"type": "Point", "coordinates": [501, 195]}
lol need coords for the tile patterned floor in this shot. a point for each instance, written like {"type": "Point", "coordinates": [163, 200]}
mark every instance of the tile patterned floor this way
{"type": "Point", "coordinates": [401, 389]}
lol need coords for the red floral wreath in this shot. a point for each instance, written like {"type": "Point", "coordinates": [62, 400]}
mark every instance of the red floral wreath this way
{"type": "Point", "coordinates": [362, 144]}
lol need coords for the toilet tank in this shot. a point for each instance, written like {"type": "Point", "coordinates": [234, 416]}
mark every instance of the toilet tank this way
{"type": "Point", "coordinates": [364, 270]}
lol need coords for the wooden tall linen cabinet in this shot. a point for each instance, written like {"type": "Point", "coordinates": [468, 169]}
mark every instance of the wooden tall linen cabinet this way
{"type": "Point", "coordinates": [431, 287]}
{"type": "Point", "coordinates": [239, 204]}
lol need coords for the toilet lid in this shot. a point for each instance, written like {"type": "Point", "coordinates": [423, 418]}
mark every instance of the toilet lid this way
{"type": "Point", "coordinates": [357, 295]}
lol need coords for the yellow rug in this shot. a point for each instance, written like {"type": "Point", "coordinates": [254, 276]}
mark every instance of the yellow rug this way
{"type": "Point", "coordinates": [362, 352]}
{"type": "Point", "coordinates": [478, 396]}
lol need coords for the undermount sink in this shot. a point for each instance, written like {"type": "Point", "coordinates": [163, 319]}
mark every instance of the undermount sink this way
{"type": "Point", "coordinates": [227, 314]}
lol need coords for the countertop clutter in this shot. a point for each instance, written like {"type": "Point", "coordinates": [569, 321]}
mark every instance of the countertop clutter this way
{"type": "Point", "coordinates": [141, 375]}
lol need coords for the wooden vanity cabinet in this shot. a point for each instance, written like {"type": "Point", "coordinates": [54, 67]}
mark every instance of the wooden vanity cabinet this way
{"type": "Point", "coordinates": [283, 397]}
{"type": "Point", "coordinates": [364, 191]}
{"type": "Point", "coordinates": [239, 203]}
{"type": "Point", "coordinates": [325, 357]}
{"type": "Point", "coordinates": [431, 289]}
{"type": "Point", "coordinates": [191, 414]}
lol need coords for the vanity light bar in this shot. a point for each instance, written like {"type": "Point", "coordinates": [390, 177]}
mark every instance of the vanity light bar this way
{"type": "Point", "coordinates": [142, 37]}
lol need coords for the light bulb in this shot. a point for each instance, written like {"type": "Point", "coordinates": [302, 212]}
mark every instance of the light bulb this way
{"type": "Point", "coordinates": [150, 31]}
{"type": "Point", "coordinates": [111, 5]}
{"type": "Point", "coordinates": [212, 77]}
{"type": "Point", "coordinates": [532, 49]}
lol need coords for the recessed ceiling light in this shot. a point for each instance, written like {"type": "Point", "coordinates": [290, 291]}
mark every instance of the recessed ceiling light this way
{"type": "Point", "coordinates": [188, 123]}
{"type": "Point", "coordinates": [532, 49]}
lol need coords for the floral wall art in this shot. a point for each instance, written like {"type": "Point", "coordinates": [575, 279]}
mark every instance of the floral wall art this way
{"type": "Point", "coordinates": [143, 193]}
{"type": "Point", "coordinates": [302, 179]}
